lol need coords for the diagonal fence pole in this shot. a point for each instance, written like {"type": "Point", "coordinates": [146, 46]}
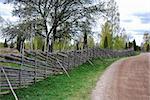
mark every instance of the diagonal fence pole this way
{"type": "Point", "coordinates": [11, 88]}
{"type": "Point", "coordinates": [63, 68]}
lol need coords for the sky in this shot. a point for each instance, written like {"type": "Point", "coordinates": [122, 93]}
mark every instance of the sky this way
{"type": "Point", "coordinates": [5, 11]}
{"type": "Point", "coordinates": [134, 16]}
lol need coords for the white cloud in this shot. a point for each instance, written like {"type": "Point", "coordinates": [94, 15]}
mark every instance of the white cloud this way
{"type": "Point", "coordinates": [5, 12]}
{"type": "Point", "coordinates": [128, 9]}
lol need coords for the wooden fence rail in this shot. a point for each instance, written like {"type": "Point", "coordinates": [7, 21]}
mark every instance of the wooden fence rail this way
{"type": "Point", "coordinates": [37, 65]}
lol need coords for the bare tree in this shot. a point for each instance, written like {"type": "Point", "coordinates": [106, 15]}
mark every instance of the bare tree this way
{"type": "Point", "coordinates": [146, 37]}
{"type": "Point", "coordinates": [52, 14]}
{"type": "Point", "coordinates": [19, 31]}
{"type": "Point", "coordinates": [114, 16]}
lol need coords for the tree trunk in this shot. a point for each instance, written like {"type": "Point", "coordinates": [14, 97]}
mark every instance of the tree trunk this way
{"type": "Point", "coordinates": [47, 44]}
{"type": "Point", "coordinates": [147, 48]}
{"type": "Point", "coordinates": [106, 42]}
{"type": "Point", "coordinates": [47, 37]}
{"type": "Point", "coordinates": [51, 47]}
{"type": "Point", "coordinates": [85, 45]}
{"type": "Point", "coordinates": [18, 43]}
{"type": "Point", "coordinates": [77, 45]}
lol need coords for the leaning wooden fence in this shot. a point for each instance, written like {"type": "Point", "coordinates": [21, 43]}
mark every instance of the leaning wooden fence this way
{"type": "Point", "coordinates": [36, 65]}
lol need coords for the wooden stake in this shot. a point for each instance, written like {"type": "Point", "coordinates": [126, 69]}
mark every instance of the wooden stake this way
{"type": "Point", "coordinates": [11, 88]}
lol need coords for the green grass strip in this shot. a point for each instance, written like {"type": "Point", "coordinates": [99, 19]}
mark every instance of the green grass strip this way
{"type": "Point", "coordinates": [78, 87]}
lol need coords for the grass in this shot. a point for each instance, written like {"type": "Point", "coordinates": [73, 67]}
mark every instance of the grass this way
{"type": "Point", "coordinates": [78, 87]}
{"type": "Point", "coordinates": [10, 65]}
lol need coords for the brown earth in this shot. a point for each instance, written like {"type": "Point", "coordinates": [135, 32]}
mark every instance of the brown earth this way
{"type": "Point", "coordinates": [8, 51]}
{"type": "Point", "coordinates": [127, 79]}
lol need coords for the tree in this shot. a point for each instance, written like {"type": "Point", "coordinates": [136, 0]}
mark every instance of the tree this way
{"type": "Point", "coordinates": [134, 45]}
{"type": "Point", "coordinates": [11, 44]}
{"type": "Point", "coordinates": [138, 48]}
{"type": "Point", "coordinates": [146, 41]}
{"type": "Point", "coordinates": [86, 30]}
{"type": "Point", "coordinates": [5, 44]}
{"type": "Point", "coordinates": [54, 13]}
{"type": "Point", "coordinates": [19, 43]}
{"type": "Point", "coordinates": [126, 47]}
{"type": "Point", "coordinates": [106, 42]}
{"type": "Point", "coordinates": [61, 44]}
{"type": "Point", "coordinates": [130, 44]}
{"type": "Point", "coordinates": [21, 31]}
{"type": "Point", "coordinates": [106, 33]}
{"type": "Point", "coordinates": [114, 16]}
{"type": "Point", "coordinates": [146, 37]}
{"type": "Point", "coordinates": [38, 42]}
{"type": "Point", "coordinates": [119, 43]}
{"type": "Point", "coordinates": [91, 43]}
{"type": "Point", "coordinates": [148, 48]}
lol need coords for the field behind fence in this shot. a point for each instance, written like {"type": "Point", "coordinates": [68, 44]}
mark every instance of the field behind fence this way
{"type": "Point", "coordinates": [36, 65]}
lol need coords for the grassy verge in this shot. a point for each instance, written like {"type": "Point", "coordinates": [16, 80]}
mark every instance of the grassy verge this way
{"type": "Point", "coordinates": [78, 87]}
{"type": "Point", "coordinates": [10, 65]}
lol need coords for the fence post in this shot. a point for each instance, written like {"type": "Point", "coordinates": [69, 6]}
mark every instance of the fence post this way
{"type": "Point", "coordinates": [0, 78]}
{"type": "Point", "coordinates": [22, 61]}
{"type": "Point", "coordinates": [87, 53]}
{"type": "Point", "coordinates": [19, 76]}
{"type": "Point", "coordinates": [92, 53]}
{"type": "Point", "coordinates": [75, 56]}
{"type": "Point", "coordinates": [64, 62]}
{"type": "Point", "coordinates": [35, 67]}
{"type": "Point", "coordinates": [47, 55]}
{"type": "Point", "coordinates": [82, 57]}
{"type": "Point", "coordinates": [68, 61]}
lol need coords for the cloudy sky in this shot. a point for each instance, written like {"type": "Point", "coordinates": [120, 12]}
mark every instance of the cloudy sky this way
{"type": "Point", "coordinates": [5, 11]}
{"type": "Point", "coordinates": [135, 16]}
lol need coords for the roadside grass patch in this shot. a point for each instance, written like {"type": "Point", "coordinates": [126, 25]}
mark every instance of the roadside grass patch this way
{"type": "Point", "coordinates": [10, 65]}
{"type": "Point", "coordinates": [78, 87]}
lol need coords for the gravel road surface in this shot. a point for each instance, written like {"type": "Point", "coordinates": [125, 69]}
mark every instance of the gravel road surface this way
{"type": "Point", "coordinates": [126, 79]}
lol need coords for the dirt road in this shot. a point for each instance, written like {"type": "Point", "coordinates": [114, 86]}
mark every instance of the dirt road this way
{"type": "Point", "coordinates": [127, 79]}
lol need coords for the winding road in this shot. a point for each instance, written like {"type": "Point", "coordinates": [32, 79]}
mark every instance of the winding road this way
{"type": "Point", "coordinates": [126, 79]}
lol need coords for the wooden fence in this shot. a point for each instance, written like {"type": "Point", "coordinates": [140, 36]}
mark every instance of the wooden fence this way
{"type": "Point", "coordinates": [35, 66]}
